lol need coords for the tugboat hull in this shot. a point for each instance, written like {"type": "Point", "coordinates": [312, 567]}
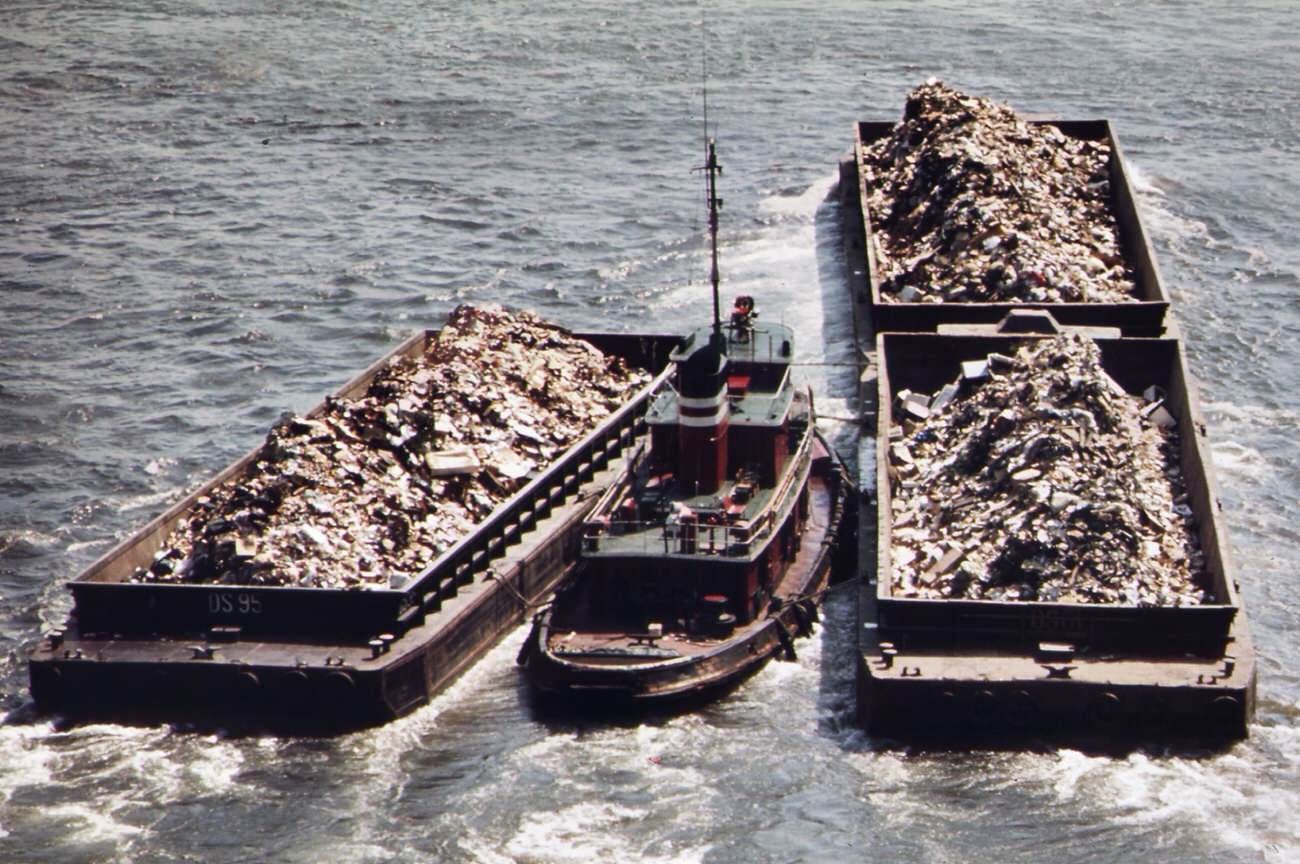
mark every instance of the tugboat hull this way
{"type": "Point", "coordinates": [616, 683]}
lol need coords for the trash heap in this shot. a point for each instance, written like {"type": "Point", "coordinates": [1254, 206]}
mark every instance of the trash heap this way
{"type": "Point", "coordinates": [371, 491]}
{"type": "Point", "coordinates": [1037, 477]}
{"type": "Point", "coordinates": [970, 204]}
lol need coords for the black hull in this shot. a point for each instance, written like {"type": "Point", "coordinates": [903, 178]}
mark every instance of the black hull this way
{"type": "Point", "coordinates": [680, 682]}
{"type": "Point", "coordinates": [1135, 705]}
{"type": "Point", "coordinates": [291, 687]}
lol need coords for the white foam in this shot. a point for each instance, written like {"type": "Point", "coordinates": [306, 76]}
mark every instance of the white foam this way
{"type": "Point", "coordinates": [157, 466]}
{"type": "Point", "coordinates": [589, 831]}
{"type": "Point", "coordinates": [1071, 767]}
{"type": "Point", "coordinates": [27, 762]}
{"type": "Point", "coordinates": [804, 204]}
{"type": "Point", "coordinates": [1160, 220]}
{"type": "Point", "coordinates": [1245, 798]}
{"type": "Point", "coordinates": [74, 548]}
{"type": "Point", "coordinates": [577, 815]}
{"type": "Point", "coordinates": [1227, 797]}
{"type": "Point", "coordinates": [36, 756]}
{"type": "Point", "coordinates": [216, 765]}
{"type": "Point", "coordinates": [497, 663]}
{"type": "Point", "coordinates": [778, 264]}
{"type": "Point", "coordinates": [1234, 459]}
{"type": "Point", "coordinates": [1224, 413]}
{"type": "Point", "coordinates": [92, 823]}
{"type": "Point", "coordinates": [380, 755]}
{"type": "Point", "coordinates": [155, 771]}
{"type": "Point", "coordinates": [867, 465]}
{"type": "Point", "coordinates": [149, 500]}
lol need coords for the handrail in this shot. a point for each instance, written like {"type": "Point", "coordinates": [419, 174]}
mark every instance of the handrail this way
{"type": "Point", "coordinates": [446, 570]}
{"type": "Point", "coordinates": [740, 537]}
{"type": "Point", "coordinates": [606, 499]}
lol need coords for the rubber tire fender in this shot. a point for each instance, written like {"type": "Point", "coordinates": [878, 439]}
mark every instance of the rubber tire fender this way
{"type": "Point", "coordinates": [787, 641]}
{"type": "Point", "coordinates": [805, 612]}
{"type": "Point", "coordinates": [1106, 711]}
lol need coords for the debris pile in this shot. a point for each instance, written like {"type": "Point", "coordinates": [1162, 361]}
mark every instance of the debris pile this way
{"type": "Point", "coordinates": [969, 203]}
{"type": "Point", "coordinates": [1037, 477]}
{"type": "Point", "coordinates": [373, 489]}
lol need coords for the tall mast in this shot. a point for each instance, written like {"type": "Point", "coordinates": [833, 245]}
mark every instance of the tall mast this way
{"type": "Point", "coordinates": [715, 204]}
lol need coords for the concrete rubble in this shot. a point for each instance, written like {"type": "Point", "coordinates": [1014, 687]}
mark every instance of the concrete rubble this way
{"type": "Point", "coordinates": [370, 492]}
{"type": "Point", "coordinates": [969, 203]}
{"type": "Point", "coordinates": [1038, 478]}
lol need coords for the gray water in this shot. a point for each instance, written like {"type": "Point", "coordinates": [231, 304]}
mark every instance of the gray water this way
{"type": "Point", "coordinates": [212, 211]}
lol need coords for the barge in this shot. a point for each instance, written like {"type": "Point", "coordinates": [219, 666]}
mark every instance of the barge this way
{"type": "Point", "coordinates": [325, 659]}
{"type": "Point", "coordinates": [710, 554]}
{"type": "Point", "coordinates": [1030, 668]}
{"type": "Point", "coordinates": [1142, 313]}
{"type": "Point", "coordinates": [987, 668]}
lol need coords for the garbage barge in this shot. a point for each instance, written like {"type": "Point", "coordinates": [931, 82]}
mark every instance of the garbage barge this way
{"type": "Point", "coordinates": [1042, 602]}
{"type": "Point", "coordinates": [1082, 605]}
{"type": "Point", "coordinates": [293, 645]}
{"type": "Point", "coordinates": [968, 211]}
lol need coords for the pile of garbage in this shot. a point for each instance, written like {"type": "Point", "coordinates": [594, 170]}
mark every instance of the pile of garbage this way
{"type": "Point", "coordinates": [969, 203]}
{"type": "Point", "coordinates": [1037, 477]}
{"type": "Point", "coordinates": [370, 492]}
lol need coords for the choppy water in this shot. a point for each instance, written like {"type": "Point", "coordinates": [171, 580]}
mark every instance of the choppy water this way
{"type": "Point", "coordinates": [215, 210]}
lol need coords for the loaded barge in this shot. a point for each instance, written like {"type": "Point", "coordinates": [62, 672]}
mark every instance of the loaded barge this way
{"type": "Point", "coordinates": [1122, 665]}
{"type": "Point", "coordinates": [978, 212]}
{"type": "Point", "coordinates": [709, 555]}
{"type": "Point", "coordinates": [325, 659]}
{"type": "Point", "coordinates": [1110, 664]}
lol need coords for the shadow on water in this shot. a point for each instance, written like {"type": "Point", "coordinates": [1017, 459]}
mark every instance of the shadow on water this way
{"type": "Point", "coordinates": [836, 698]}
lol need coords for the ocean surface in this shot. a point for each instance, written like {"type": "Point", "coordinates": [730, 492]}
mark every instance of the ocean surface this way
{"type": "Point", "coordinates": [214, 211]}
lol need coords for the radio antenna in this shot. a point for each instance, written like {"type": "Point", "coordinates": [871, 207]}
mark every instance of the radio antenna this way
{"type": "Point", "coordinates": [714, 169]}
{"type": "Point", "coordinates": [704, 77]}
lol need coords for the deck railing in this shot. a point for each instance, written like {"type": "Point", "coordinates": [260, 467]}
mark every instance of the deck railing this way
{"type": "Point", "coordinates": [614, 537]}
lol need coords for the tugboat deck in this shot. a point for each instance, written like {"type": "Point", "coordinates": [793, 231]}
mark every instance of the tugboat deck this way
{"type": "Point", "coordinates": [580, 634]}
{"type": "Point", "coordinates": [657, 535]}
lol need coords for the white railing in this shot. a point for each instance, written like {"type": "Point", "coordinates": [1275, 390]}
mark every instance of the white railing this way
{"type": "Point", "coordinates": [690, 538]}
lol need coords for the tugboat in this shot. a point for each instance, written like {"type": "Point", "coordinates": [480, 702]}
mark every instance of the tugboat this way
{"type": "Point", "coordinates": [708, 556]}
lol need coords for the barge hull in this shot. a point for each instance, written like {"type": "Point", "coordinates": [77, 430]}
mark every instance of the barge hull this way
{"type": "Point", "coordinates": [310, 687]}
{"type": "Point", "coordinates": [947, 698]}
